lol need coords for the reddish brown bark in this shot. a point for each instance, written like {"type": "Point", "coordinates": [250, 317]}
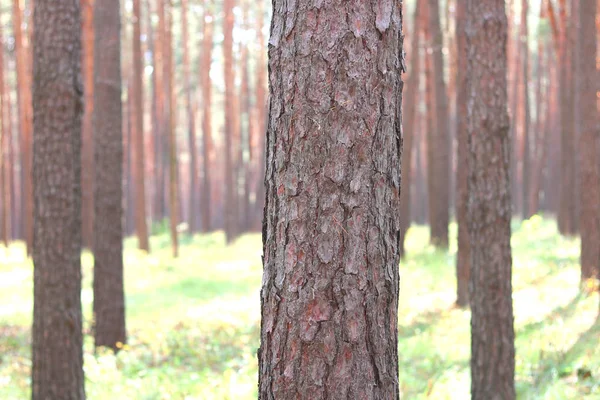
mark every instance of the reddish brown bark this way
{"type": "Point", "coordinates": [489, 206]}
{"type": "Point", "coordinates": [330, 243]}
{"type": "Point", "coordinates": [207, 145]}
{"type": "Point", "coordinates": [87, 149]}
{"type": "Point", "coordinates": [169, 77]}
{"type": "Point", "coordinates": [57, 355]}
{"type": "Point", "coordinates": [6, 201]}
{"type": "Point", "coordinates": [588, 143]}
{"type": "Point", "coordinates": [24, 102]}
{"type": "Point", "coordinates": [137, 125]}
{"type": "Point", "coordinates": [525, 112]}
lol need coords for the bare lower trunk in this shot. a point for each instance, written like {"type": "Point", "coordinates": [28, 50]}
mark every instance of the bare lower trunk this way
{"type": "Point", "coordinates": [207, 147]}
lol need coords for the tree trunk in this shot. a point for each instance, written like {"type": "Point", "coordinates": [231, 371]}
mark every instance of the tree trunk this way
{"type": "Point", "coordinates": [489, 207]}
{"type": "Point", "coordinates": [230, 192]}
{"type": "Point", "coordinates": [588, 145]}
{"type": "Point", "coordinates": [109, 299]}
{"type": "Point", "coordinates": [440, 195]}
{"type": "Point", "coordinates": [249, 164]}
{"type": "Point", "coordinates": [169, 75]}
{"type": "Point", "coordinates": [87, 150]}
{"type": "Point", "coordinates": [411, 101]}
{"type": "Point", "coordinates": [207, 147]}
{"type": "Point", "coordinates": [12, 150]}
{"type": "Point", "coordinates": [331, 227]}
{"type": "Point", "coordinates": [137, 125]}
{"type": "Point", "coordinates": [4, 154]}
{"type": "Point", "coordinates": [525, 113]}
{"type": "Point", "coordinates": [57, 366]}
{"type": "Point", "coordinates": [261, 112]}
{"type": "Point", "coordinates": [463, 255]}
{"type": "Point", "coordinates": [23, 60]}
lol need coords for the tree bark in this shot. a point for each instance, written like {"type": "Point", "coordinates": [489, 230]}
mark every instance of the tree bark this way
{"type": "Point", "coordinates": [589, 140]}
{"type": "Point", "coordinates": [57, 367]}
{"type": "Point", "coordinates": [230, 192]}
{"type": "Point", "coordinates": [261, 112]}
{"type": "Point", "coordinates": [525, 113]}
{"type": "Point", "coordinates": [109, 299]}
{"type": "Point", "coordinates": [489, 207]}
{"type": "Point", "coordinates": [207, 146]}
{"type": "Point", "coordinates": [440, 195]}
{"type": "Point", "coordinates": [173, 163]}
{"type": "Point", "coordinates": [331, 226]}
{"type": "Point", "coordinates": [4, 151]}
{"type": "Point", "coordinates": [24, 102]}
{"type": "Point", "coordinates": [137, 125]}
{"type": "Point", "coordinates": [463, 255]}
{"type": "Point", "coordinates": [87, 150]}
{"type": "Point", "coordinates": [411, 101]}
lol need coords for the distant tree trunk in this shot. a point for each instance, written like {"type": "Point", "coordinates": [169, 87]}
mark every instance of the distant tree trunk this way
{"type": "Point", "coordinates": [207, 147]}
{"type": "Point", "coordinates": [261, 112]}
{"type": "Point", "coordinates": [589, 141]}
{"type": "Point", "coordinates": [161, 139]}
{"type": "Point", "coordinates": [24, 102]}
{"type": "Point", "coordinates": [169, 74]}
{"type": "Point", "coordinates": [525, 113]}
{"type": "Point", "coordinates": [230, 192]}
{"type": "Point", "coordinates": [57, 367]}
{"type": "Point", "coordinates": [4, 154]}
{"type": "Point", "coordinates": [422, 197]}
{"type": "Point", "coordinates": [411, 101]}
{"type": "Point", "coordinates": [12, 145]}
{"type": "Point", "coordinates": [193, 187]}
{"type": "Point", "coordinates": [249, 166]}
{"type": "Point", "coordinates": [514, 57]}
{"type": "Point", "coordinates": [156, 108]}
{"type": "Point", "coordinates": [331, 251]}
{"type": "Point", "coordinates": [87, 150]}
{"type": "Point", "coordinates": [137, 125]}
{"type": "Point", "coordinates": [463, 255]}
{"type": "Point", "coordinates": [109, 299]}
{"type": "Point", "coordinates": [440, 195]}
{"type": "Point", "coordinates": [489, 207]}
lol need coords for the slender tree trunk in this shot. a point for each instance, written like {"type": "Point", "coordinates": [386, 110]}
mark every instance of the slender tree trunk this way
{"type": "Point", "coordinates": [207, 146]}
{"type": "Point", "coordinates": [411, 101]}
{"type": "Point", "coordinates": [525, 113]}
{"type": "Point", "coordinates": [12, 145]}
{"type": "Point", "coordinates": [331, 251]}
{"type": "Point", "coordinates": [230, 192]}
{"type": "Point", "coordinates": [261, 111]}
{"type": "Point", "coordinates": [23, 60]}
{"type": "Point", "coordinates": [138, 132]}
{"type": "Point", "coordinates": [514, 68]}
{"type": "Point", "coordinates": [588, 145]}
{"type": "Point", "coordinates": [87, 150]}
{"type": "Point", "coordinates": [109, 299]}
{"type": "Point", "coordinates": [57, 367]}
{"type": "Point", "coordinates": [463, 255]}
{"type": "Point", "coordinates": [441, 192]}
{"type": "Point", "coordinates": [249, 167]}
{"type": "Point", "coordinates": [169, 74]}
{"type": "Point", "coordinates": [489, 207]}
{"type": "Point", "coordinates": [4, 154]}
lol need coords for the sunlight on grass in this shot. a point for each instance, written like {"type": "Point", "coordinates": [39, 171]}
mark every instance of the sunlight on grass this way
{"type": "Point", "coordinates": [194, 322]}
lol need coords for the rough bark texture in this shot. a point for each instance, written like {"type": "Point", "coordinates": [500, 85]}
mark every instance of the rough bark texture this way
{"type": "Point", "coordinates": [57, 369]}
{"type": "Point", "coordinates": [331, 228]}
{"type": "Point", "coordinates": [23, 61]}
{"type": "Point", "coordinates": [109, 299]}
{"type": "Point", "coordinates": [588, 145]}
{"type": "Point", "coordinates": [489, 209]}
{"type": "Point", "coordinates": [207, 145]}
{"type": "Point", "coordinates": [411, 101]}
{"type": "Point", "coordinates": [230, 212]}
{"type": "Point", "coordinates": [137, 125]}
{"type": "Point", "coordinates": [463, 255]}
{"type": "Point", "coordinates": [440, 195]}
{"type": "Point", "coordinates": [87, 149]}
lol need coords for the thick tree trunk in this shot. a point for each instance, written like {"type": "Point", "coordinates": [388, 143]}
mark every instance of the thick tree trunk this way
{"type": "Point", "coordinates": [207, 145]}
{"type": "Point", "coordinates": [463, 255]}
{"type": "Point", "coordinates": [489, 207]}
{"type": "Point", "coordinates": [331, 227]}
{"type": "Point", "coordinates": [525, 113]}
{"type": "Point", "coordinates": [109, 299]}
{"type": "Point", "coordinates": [411, 101]}
{"type": "Point", "coordinates": [589, 140]}
{"type": "Point", "coordinates": [137, 125]}
{"type": "Point", "coordinates": [23, 61]}
{"type": "Point", "coordinates": [440, 195]}
{"type": "Point", "coordinates": [230, 188]}
{"type": "Point", "coordinates": [87, 149]}
{"type": "Point", "coordinates": [57, 367]}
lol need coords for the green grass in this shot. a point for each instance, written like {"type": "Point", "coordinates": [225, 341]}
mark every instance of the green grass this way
{"type": "Point", "coordinates": [194, 322]}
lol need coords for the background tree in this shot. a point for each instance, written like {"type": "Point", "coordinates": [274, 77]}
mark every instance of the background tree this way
{"type": "Point", "coordinates": [109, 299]}
{"type": "Point", "coordinates": [231, 215]}
{"type": "Point", "coordinates": [330, 285]}
{"type": "Point", "coordinates": [489, 209]}
{"type": "Point", "coordinates": [57, 369]}
{"type": "Point", "coordinates": [207, 144]}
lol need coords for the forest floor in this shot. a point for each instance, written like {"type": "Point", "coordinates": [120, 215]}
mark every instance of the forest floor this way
{"type": "Point", "coordinates": [194, 322]}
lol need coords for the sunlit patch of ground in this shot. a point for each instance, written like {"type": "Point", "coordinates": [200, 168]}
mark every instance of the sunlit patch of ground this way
{"type": "Point", "coordinates": [194, 322]}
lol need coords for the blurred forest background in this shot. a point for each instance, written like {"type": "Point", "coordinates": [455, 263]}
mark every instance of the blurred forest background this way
{"type": "Point", "coordinates": [195, 113]}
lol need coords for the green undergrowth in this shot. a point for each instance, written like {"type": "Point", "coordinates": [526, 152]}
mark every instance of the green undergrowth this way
{"type": "Point", "coordinates": [194, 322]}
